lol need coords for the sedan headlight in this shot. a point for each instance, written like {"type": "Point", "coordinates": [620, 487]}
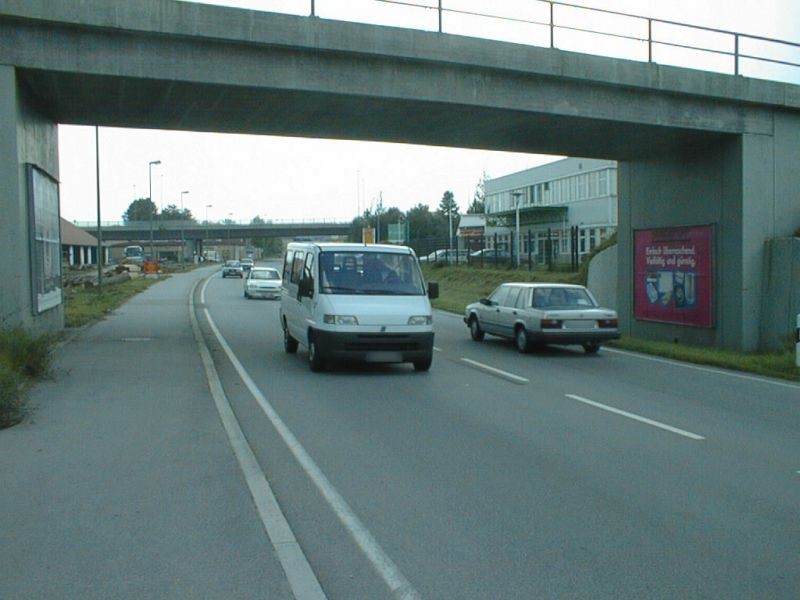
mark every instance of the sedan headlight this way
{"type": "Point", "coordinates": [340, 320]}
{"type": "Point", "coordinates": [421, 320]}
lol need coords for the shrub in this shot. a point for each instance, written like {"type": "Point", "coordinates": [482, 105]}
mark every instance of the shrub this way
{"type": "Point", "coordinates": [25, 354]}
{"type": "Point", "coordinates": [11, 404]}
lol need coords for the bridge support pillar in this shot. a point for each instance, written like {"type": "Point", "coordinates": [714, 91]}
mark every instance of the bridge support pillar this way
{"type": "Point", "coordinates": [26, 137]}
{"type": "Point", "coordinates": [744, 187]}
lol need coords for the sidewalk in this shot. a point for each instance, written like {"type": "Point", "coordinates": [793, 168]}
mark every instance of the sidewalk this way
{"type": "Point", "coordinates": [122, 483]}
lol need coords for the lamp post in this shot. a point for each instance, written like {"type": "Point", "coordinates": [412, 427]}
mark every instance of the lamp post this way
{"type": "Point", "coordinates": [517, 195]}
{"type": "Point", "coordinates": [150, 198]}
{"type": "Point", "coordinates": [230, 242]}
{"type": "Point", "coordinates": [183, 227]}
{"type": "Point", "coordinates": [207, 207]}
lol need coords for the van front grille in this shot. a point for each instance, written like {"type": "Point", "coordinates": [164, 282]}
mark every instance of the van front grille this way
{"type": "Point", "coordinates": [382, 342]}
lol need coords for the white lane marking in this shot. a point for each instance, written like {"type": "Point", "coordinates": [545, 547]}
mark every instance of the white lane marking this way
{"type": "Point", "coordinates": [446, 313]}
{"type": "Point", "coordinates": [302, 580]}
{"type": "Point", "coordinates": [704, 369]}
{"type": "Point", "coordinates": [494, 371]}
{"type": "Point", "coordinates": [645, 420]}
{"type": "Point", "coordinates": [400, 587]}
{"type": "Point", "coordinates": [435, 349]}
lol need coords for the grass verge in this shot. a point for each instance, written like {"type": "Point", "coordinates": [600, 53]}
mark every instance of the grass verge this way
{"type": "Point", "coordinates": [23, 358]}
{"type": "Point", "coordinates": [84, 305]}
{"type": "Point", "coordinates": [462, 285]}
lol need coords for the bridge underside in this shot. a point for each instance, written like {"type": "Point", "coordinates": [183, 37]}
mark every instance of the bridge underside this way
{"type": "Point", "coordinates": [81, 99]}
{"type": "Point", "coordinates": [694, 148]}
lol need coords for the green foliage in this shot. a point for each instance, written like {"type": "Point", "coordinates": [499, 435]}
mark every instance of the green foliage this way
{"type": "Point", "coordinates": [11, 403]}
{"type": "Point", "coordinates": [478, 205]}
{"type": "Point", "coordinates": [173, 213]}
{"type": "Point", "coordinates": [141, 209]}
{"type": "Point", "coordinates": [22, 356]}
{"type": "Point", "coordinates": [24, 353]}
{"type": "Point", "coordinates": [83, 305]}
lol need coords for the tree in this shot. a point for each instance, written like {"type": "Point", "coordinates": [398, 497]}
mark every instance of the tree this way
{"type": "Point", "coordinates": [424, 224]}
{"type": "Point", "coordinates": [141, 209]}
{"type": "Point", "coordinates": [172, 213]}
{"type": "Point", "coordinates": [478, 205]}
{"type": "Point", "coordinates": [449, 209]}
{"type": "Point", "coordinates": [447, 205]}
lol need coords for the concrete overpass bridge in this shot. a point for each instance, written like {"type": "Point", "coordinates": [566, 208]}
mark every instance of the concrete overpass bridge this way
{"type": "Point", "coordinates": [176, 230]}
{"type": "Point", "coordinates": [695, 148]}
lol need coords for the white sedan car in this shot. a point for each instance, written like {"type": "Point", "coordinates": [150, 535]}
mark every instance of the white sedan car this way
{"type": "Point", "coordinates": [542, 313]}
{"type": "Point", "coordinates": [262, 282]}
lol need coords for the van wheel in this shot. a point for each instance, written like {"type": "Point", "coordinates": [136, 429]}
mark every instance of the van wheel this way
{"type": "Point", "coordinates": [475, 331]}
{"type": "Point", "coordinates": [289, 343]}
{"type": "Point", "coordinates": [315, 362]}
{"type": "Point", "coordinates": [423, 364]}
{"type": "Point", "coordinates": [523, 343]}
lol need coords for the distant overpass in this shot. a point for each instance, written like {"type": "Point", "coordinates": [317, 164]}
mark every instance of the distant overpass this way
{"type": "Point", "coordinates": [176, 230]}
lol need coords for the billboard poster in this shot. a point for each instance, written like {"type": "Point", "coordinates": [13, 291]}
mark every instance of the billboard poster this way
{"type": "Point", "coordinates": [674, 275]}
{"type": "Point", "coordinates": [45, 239]}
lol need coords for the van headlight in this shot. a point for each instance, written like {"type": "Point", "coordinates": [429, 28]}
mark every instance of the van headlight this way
{"type": "Point", "coordinates": [421, 320]}
{"type": "Point", "coordinates": [339, 320]}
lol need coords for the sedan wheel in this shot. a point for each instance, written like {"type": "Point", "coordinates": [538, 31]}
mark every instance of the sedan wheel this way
{"type": "Point", "coordinates": [591, 347]}
{"type": "Point", "coordinates": [475, 330]}
{"type": "Point", "coordinates": [521, 337]}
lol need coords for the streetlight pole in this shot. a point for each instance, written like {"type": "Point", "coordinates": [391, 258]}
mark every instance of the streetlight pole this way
{"type": "Point", "coordinates": [150, 199]}
{"type": "Point", "coordinates": [207, 207]}
{"type": "Point", "coordinates": [516, 204]}
{"type": "Point", "coordinates": [183, 227]}
{"type": "Point", "coordinates": [230, 242]}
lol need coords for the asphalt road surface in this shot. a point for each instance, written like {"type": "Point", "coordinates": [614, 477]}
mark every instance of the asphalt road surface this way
{"type": "Point", "coordinates": [499, 475]}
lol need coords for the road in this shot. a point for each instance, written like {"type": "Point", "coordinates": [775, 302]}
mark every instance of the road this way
{"type": "Point", "coordinates": [498, 475]}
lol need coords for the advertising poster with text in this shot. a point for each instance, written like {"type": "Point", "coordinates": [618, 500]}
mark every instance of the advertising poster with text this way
{"type": "Point", "coordinates": [673, 282]}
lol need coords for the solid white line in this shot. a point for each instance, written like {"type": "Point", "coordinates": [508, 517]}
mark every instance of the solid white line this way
{"type": "Point", "coordinates": [302, 580]}
{"type": "Point", "coordinates": [617, 411]}
{"type": "Point", "coordinates": [494, 371]}
{"type": "Point", "coordinates": [704, 369]}
{"type": "Point", "coordinates": [435, 349]}
{"type": "Point", "coordinates": [400, 587]}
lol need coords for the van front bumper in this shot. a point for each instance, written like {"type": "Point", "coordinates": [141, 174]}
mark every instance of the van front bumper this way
{"type": "Point", "coordinates": [374, 347]}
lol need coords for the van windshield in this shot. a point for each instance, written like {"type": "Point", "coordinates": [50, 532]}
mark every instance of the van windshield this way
{"type": "Point", "coordinates": [370, 273]}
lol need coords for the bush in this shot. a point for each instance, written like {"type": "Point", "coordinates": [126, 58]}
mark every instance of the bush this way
{"type": "Point", "coordinates": [25, 354]}
{"type": "Point", "coordinates": [22, 356]}
{"type": "Point", "coordinates": [11, 404]}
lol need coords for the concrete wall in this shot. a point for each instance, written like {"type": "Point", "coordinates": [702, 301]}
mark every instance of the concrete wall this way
{"type": "Point", "coordinates": [697, 186]}
{"type": "Point", "coordinates": [26, 136]}
{"type": "Point", "coordinates": [781, 293]}
{"type": "Point", "coordinates": [602, 278]}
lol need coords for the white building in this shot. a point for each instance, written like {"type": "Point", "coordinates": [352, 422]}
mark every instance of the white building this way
{"type": "Point", "coordinates": [556, 201]}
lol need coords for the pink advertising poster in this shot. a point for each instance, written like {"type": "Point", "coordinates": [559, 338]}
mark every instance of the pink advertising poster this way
{"type": "Point", "coordinates": [673, 275]}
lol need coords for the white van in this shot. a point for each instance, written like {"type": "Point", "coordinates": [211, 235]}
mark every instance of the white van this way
{"type": "Point", "coordinates": [365, 302]}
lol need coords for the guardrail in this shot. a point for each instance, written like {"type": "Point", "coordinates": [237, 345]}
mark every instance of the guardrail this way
{"type": "Point", "coordinates": [157, 223]}
{"type": "Point", "coordinates": [561, 25]}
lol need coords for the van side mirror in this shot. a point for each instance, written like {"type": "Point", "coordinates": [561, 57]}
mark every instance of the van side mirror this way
{"type": "Point", "coordinates": [433, 290]}
{"type": "Point", "coordinates": [305, 288]}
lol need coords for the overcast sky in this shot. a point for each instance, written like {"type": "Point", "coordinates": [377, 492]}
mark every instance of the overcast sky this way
{"type": "Point", "coordinates": [297, 178]}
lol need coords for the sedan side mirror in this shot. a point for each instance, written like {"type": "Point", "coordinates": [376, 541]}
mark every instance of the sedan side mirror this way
{"type": "Point", "coordinates": [433, 290]}
{"type": "Point", "coordinates": [486, 302]}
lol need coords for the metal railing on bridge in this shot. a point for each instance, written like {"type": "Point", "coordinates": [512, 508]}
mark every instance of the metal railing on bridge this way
{"type": "Point", "coordinates": [561, 25]}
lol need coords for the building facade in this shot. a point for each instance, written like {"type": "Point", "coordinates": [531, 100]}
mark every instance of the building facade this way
{"type": "Point", "coordinates": [564, 206]}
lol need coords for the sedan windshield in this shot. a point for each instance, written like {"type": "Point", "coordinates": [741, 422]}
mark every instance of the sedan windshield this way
{"type": "Point", "coordinates": [375, 273]}
{"type": "Point", "coordinates": [264, 274]}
